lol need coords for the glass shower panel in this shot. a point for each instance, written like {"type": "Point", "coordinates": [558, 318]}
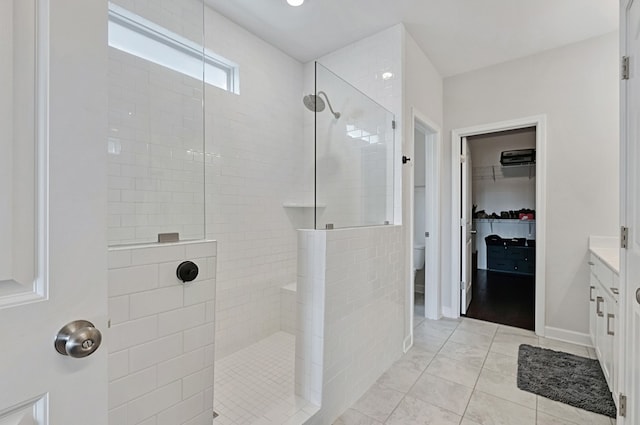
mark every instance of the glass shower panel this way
{"type": "Point", "coordinates": [156, 120]}
{"type": "Point", "coordinates": [354, 155]}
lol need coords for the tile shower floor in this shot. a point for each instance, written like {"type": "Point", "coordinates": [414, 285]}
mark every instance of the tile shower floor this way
{"type": "Point", "coordinates": [463, 372]}
{"type": "Point", "coordinates": [256, 385]}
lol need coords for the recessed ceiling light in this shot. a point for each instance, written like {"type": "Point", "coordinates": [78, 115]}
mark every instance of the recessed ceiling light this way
{"type": "Point", "coordinates": [387, 75]}
{"type": "Point", "coordinates": [295, 2]}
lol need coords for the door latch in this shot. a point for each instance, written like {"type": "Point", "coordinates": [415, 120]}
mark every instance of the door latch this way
{"type": "Point", "coordinates": [405, 159]}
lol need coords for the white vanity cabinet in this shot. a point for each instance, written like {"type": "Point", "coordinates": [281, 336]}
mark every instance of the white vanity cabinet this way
{"type": "Point", "coordinates": [603, 313]}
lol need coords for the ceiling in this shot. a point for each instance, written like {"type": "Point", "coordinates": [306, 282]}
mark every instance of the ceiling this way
{"type": "Point", "coordinates": [457, 35]}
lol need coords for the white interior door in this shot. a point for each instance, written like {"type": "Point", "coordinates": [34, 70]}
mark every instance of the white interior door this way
{"type": "Point", "coordinates": [53, 215]}
{"type": "Point", "coordinates": [630, 197]}
{"type": "Point", "coordinates": [466, 275]}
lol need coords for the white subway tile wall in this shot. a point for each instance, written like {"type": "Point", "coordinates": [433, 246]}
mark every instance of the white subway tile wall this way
{"type": "Point", "coordinates": [161, 336]}
{"type": "Point", "coordinates": [255, 142]}
{"type": "Point", "coordinates": [362, 64]}
{"type": "Point", "coordinates": [288, 308]}
{"type": "Point", "coordinates": [357, 323]}
{"type": "Point", "coordinates": [252, 160]}
{"type": "Point", "coordinates": [354, 166]}
{"type": "Point", "coordinates": [156, 136]}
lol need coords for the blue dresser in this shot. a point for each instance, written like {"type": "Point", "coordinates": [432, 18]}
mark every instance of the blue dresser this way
{"type": "Point", "coordinates": [511, 259]}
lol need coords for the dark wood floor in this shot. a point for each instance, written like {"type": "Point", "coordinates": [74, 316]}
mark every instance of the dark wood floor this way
{"type": "Point", "coordinates": [503, 298]}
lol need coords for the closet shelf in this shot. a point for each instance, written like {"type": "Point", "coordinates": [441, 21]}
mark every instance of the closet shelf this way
{"type": "Point", "coordinates": [497, 172]}
{"type": "Point", "coordinates": [502, 220]}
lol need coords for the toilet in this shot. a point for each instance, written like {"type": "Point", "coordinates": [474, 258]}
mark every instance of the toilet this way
{"type": "Point", "coordinates": [418, 256]}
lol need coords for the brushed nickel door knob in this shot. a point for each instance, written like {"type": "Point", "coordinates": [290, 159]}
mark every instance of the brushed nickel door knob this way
{"type": "Point", "coordinates": [78, 339]}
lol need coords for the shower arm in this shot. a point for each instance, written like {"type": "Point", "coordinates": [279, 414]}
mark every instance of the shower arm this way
{"type": "Point", "coordinates": [335, 114]}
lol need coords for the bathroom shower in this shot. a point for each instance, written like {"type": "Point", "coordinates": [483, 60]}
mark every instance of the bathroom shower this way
{"type": "Point", "coordinates": [315, 103]}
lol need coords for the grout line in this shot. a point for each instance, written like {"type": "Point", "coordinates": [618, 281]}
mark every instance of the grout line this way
{"type": "Point", "coordinates": [421, 374]}
{"type": "Point", "coordinates": [481, 369]}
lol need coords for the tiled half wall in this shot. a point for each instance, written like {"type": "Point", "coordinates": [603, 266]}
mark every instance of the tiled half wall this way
{"type": "Point", "coordinates": [350, 313]}
{"type": "Point", "coordinates": [161, 336]}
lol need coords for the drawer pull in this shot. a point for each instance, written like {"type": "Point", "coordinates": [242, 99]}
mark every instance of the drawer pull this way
{"type": "Point", "coordinates": [591, 288]}
{"type": "Point", "coordinates": [609, 317]}
{"type": "Point", "coordinates": [616, 291]}
{"type": "Point", "coordinates": [598, 311]}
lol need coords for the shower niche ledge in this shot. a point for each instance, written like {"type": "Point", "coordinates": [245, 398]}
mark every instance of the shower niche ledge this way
{"type": "Point", "coordinates": [302, 205]}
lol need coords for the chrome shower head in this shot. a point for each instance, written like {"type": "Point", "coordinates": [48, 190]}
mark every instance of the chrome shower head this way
{"type": "Point", "coordinates": [313, 103]}
{"type": "Point", "coordinates": [316, 104]}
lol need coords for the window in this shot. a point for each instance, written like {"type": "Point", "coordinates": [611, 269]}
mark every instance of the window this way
{"type": "Point", "coordinates": [137, 36]}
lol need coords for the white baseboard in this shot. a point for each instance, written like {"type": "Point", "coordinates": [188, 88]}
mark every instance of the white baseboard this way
{"type": "Point", "coordinates": [448, 313]}
{"type": "Point", "coordinates": [407, 344]}
{"type": "Point", "coordinates": [567, 336]}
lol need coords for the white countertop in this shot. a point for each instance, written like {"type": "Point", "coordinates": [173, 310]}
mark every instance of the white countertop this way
{"type": "Point", "coordinates": [606, 248]}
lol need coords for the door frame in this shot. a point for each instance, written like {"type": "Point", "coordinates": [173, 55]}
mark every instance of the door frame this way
{"type": "Point", "coordinates": [433, 304]}
{"type": "Point", "coordinates": [432, 287]}
{"type": "Point", "coordinates": [540, 123]}
{"type": "Point", "coordinates": [625, 329]}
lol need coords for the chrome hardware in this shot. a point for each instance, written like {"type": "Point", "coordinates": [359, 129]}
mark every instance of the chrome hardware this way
{"type": "Point", "coordinates": [624, 68]}
{"type": "Point", "coordinates": [591, 288]}
{"type": "Point", "coordinates": [598, 301]}
{"type": "Point", "coordinates": [78, 339]}
{"type": "Point", "coordinates": [473, 232]}
{"type": "Point", "coordinates": [616, 291]}
{"type": "Point", "coordinates": [622, 405]}
{"type": "Point", "coordinates": [609, 317]}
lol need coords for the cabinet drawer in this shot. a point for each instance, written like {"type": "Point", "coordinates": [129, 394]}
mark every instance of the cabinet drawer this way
{"type": "Point", "coordinates": [525, 266]}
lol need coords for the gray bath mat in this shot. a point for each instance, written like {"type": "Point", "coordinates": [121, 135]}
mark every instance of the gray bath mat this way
{"type": "Point", "coordinates": [563, 377]}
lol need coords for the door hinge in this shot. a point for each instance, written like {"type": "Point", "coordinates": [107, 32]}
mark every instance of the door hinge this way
{"type": "Point", "coordinates": [624, 69]}
{"type": "Point", "coordinates": [624, 237]}
{"type": "Point", "coordinates": [462, 285]}
{"type": "Point", "coordinates": [622, 405]}
{"type": "Point", "coordinates": [462, 159]}
{"type": "Point", "coordinates": [393, 124]}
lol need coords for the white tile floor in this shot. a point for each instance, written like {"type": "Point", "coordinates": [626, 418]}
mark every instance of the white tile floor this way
{"type": "Point", "coordinates": [256, 385]}
{"type": "Point", "coordinates": [463, 372]}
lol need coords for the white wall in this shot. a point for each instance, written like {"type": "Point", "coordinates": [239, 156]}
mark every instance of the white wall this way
{"type": "Point", "coordinates": [513, 188]}
{"type": "Point", "coordinates": [422, 92]}
{"type": "Point", "coordinates": [161, 335]}
{"type": "Point", "coordinates": [238, 160]}
{"type": "Point", "coordinates": [156, 141]}
{"type": "Point", "coordinates": [357, 66]}
{"type": "Point", "coordinates": [255, 143]}
{"type": "Point", "coordinates": [576, 86]}
{"type": "Point", "coordinates": [354, 166]}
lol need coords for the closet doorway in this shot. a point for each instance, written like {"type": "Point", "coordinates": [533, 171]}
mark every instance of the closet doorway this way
{"type": "Point", "coordinates": [498, 229]}
{"type": "Point", "coordinates": [503, 227]}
